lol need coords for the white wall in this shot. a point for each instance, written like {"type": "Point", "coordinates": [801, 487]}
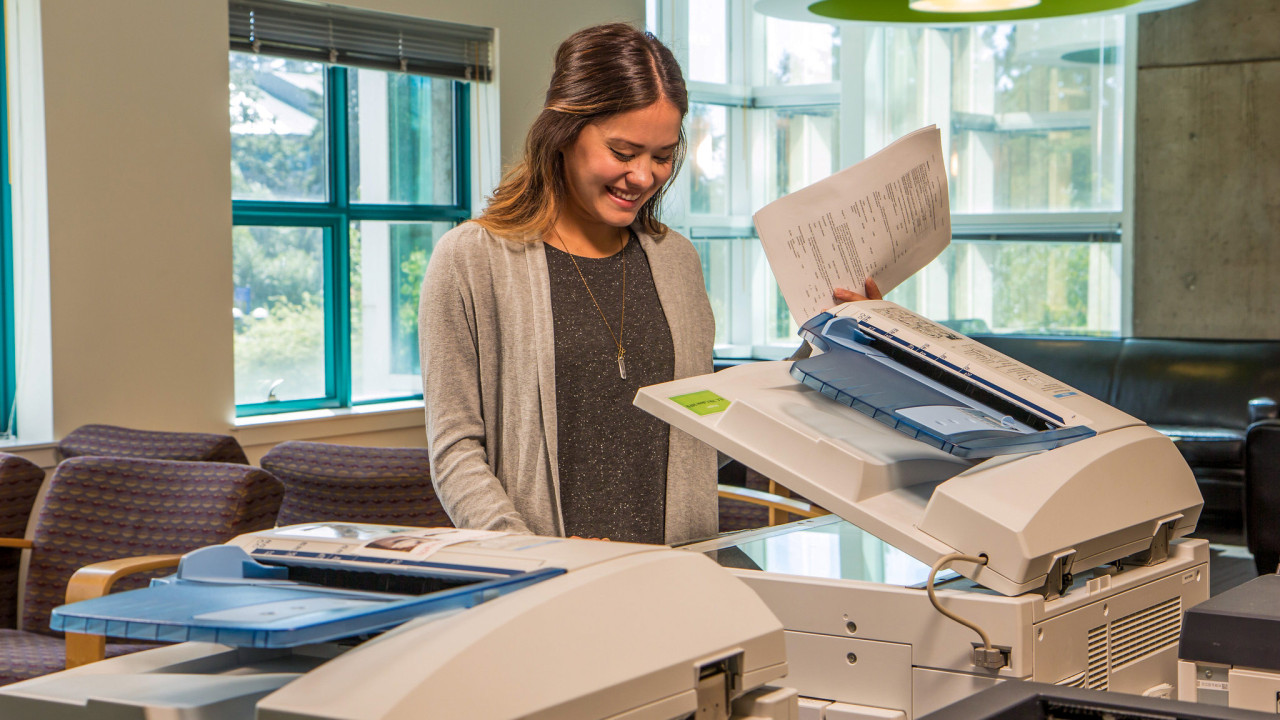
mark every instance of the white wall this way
{"type": "Point", "coordinates": [138, 153]}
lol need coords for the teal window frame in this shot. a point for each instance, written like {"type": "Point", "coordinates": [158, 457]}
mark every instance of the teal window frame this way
{"type": "Point", "coordinates": [335, 216]}
{"type": "Point", "coordinates": [8, 369]}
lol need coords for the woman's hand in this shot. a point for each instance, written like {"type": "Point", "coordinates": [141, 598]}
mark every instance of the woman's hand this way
{"type": "Point", "coordinates": [843, 296]}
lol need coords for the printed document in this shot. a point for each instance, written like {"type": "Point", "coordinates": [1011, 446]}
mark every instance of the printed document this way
{"type": "Point", "coordinates": [885, 218]}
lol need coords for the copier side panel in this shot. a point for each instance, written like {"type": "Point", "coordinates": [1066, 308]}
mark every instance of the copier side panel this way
{"type": "Point", "coordinates": [1254, 690]}
{"type": "Point", "coordinates": [877, 674]}
{"type": "Point", "coordinates": [887, 613]}
{"type": "Point", "coordinates": [1124, 641]}
{"type": "Point", "coordinates": [900, 615]}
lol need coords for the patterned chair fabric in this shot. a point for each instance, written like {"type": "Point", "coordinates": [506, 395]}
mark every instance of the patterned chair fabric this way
{"type": "Point", "coordinates": [20, 481]}
{"type": "Point", "coordinates": [741, 515]}
{"type": "Point", "coordinates": [100, 508]}
{"type": "Point", "coordinates": [109, 440]}
{"type": "Point", "coordinates": [323, 481]}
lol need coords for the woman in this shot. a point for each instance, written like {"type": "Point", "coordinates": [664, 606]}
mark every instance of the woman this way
{"type": "Point", "coordinates": [541, 319]}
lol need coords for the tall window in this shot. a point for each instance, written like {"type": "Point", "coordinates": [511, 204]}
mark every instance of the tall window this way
{"type": "Point", "coordinates": [343, 178]}
{"type": "Point", "coordinates": [1032, 114]}
{"type": "Point", "coordinates": [1031, 118]}
{"type": "Point", "coordinates": [8, 382]}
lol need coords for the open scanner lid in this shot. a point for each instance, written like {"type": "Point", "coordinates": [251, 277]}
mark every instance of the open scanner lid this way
{"type": "Point", "coordinates": [1100, 491]}
{"type": "Point", "coordinates": [932, 399]}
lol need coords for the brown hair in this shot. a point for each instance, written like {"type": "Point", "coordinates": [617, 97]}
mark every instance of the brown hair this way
{"type": "Point", "coordinates": [599, 72]}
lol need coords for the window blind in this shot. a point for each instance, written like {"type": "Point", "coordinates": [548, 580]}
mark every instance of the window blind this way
{"type": "Point", "coordinates": [362, 38]}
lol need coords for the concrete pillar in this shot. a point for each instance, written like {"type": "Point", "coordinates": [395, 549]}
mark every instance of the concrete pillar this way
{"type": "Point", "coordinates": [1207, 200]}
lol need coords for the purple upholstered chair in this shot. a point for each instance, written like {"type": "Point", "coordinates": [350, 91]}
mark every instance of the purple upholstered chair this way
{"type": "Point", "coordinates": [20, 481]}
{"type": "Point", "coordinates": [105, 508]}
{"type": "Point", "coordinates": [324, 481]}
{"type": "Point", "coordinates": [113, 441]}
{"type": "Point", "coordinates": [749, 503]}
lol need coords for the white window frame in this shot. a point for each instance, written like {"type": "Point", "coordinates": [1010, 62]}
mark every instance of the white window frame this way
{"type": "Point", "coordinates": [746, 89]}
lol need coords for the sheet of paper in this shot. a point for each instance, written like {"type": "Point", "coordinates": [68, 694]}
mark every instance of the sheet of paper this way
{"type": "Point", "coordinates": [885, 217]}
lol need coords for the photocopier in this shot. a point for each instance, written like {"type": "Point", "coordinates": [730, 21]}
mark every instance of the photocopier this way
{"type": "Point", "coordinates": [344, 620]}
{"type": "Point", "coordinates": [989, 523]}
{"type": "Point", "coordinates": [1053, 525]}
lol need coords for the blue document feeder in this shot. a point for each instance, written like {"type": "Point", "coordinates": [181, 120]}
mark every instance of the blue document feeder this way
{"type": "Point", "coordinates": [220, 594]}
{"type": "Point", "coordinates": [916, 395]}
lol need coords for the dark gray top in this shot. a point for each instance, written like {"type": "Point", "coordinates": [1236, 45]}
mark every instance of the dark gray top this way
{"type": "Point", "coordinates": [613, 456]}
{"type": "Point", "coordinates": [1239, 627]}
{"type": "Point", "coordinates": [489, 382]}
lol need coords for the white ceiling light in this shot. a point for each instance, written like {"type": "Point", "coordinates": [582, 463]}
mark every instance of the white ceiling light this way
{"type": "Point", "coordinates": [958, 12]}
{"type": "Point", "coordinates": [960, 6]}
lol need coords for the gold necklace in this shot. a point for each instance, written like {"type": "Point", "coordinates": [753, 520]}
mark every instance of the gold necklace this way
{"type": "Point", "coordinates": [617, 339]}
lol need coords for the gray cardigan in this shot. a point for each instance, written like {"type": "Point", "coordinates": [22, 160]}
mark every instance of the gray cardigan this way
{"type": "Point", "coordinates": [488, 377]}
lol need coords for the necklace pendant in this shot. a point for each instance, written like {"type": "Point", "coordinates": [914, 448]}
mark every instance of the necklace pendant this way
{"type": "Point", "coordinates": [622, 366]}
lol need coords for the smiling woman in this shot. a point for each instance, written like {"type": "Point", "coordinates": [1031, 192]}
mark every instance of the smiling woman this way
{"type": "Point", "coordinates": [614, 167]}
{"type": "Point", "coordinates": [541, 319]}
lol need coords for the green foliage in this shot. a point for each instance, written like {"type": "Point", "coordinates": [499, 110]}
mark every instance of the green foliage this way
{"type": "Point", "coordinates": [287, 344]}
{"type": "Point", "coordinates": [278, 272]}
{"type": "Point", "coordinates": [412, 270]}
{"type": "Point", "coordinates": [278, 167]}
{"type": "Point", "coordinates": [1043, 287]}
{"type": "Point", "coordinates": [275, 165]}
{"type": "Point", "coordinates": [277, 262]}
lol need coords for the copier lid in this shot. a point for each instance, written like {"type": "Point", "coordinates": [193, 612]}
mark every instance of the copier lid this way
{"type": "Point", "coordinates": [1078, 505]}
{"type": "Point", "coordinates": [863, 471]}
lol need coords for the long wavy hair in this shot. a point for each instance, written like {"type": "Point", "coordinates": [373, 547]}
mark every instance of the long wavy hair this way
{"type": "Point", "coordinates": [599, 72]}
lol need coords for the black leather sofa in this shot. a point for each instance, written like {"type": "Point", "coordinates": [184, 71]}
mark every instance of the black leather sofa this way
{"type": "Point", "coordinates": [1198, 392]}
{"type": "Point", "coordinates": [1262, 490]}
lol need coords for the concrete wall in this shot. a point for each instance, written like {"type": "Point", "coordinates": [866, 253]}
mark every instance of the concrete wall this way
{"type": "Point", "coordinates": [1207, 200]}
{"type": "Point", "coordinates": [139, 207]}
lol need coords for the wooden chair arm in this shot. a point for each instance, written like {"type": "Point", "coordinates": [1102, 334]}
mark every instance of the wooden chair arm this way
{"type": "Point", "coordinates": [95, 580]}
{"type": "Point", "coordinates": [771, 501]}
{"type": "Point", "coordinates": [21, 543]}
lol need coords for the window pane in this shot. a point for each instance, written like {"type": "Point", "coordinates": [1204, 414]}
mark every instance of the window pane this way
{"type": "Point", "coordinates": [709, 159]}
{"type": "Point", "coordinates": [745, 299]}
{"type": "Point", "coordinates": [388, 261]}
{"type": "Point", "coordinates": [717, 274]}
{"type": "Point", "coordinates": [1033, 111]}
{"type": "Point", "coordinates": [799, 53]}
{"type": "Point", "coordinates": [805, 148]}
{"type": "Point", "coordinates": [709, 41]}
{"type": "Point", "coordinates": [279, 313]}
{"type": "Point", "coordinates": [1019, 286]}
{"type": "Point", "coordinates": [277, 129]}
{"type": "Point", "coordinates": [401, 138]}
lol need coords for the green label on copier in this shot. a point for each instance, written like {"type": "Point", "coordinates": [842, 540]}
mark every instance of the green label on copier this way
{"type": "Point", "coordinates": [703, 402]}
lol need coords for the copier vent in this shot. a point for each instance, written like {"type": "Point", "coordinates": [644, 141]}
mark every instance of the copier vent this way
{"type": "Point", "coordinates": [1123, 642]}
